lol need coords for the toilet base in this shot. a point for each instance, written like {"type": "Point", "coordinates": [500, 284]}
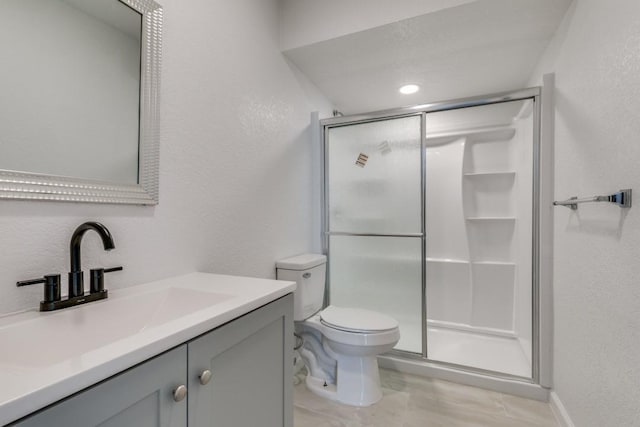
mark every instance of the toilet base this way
{"type": "Point", "coordinates": [358, 382]}
{"type": "Point", "coordinates": [321, 388]}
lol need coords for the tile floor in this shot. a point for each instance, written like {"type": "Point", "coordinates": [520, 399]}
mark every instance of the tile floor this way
{"type": "Point", "coordinates": [412, 401]}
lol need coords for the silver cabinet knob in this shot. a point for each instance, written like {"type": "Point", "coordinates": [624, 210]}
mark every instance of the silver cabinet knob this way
{"type": "Point", "coordinates": [205, 377]}
{"type": "Point", "coordinates": [180, 393]}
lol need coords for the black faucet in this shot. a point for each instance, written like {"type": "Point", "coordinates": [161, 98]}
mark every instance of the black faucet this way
{"type": "Point", "coordinates": [76, 280]}
{"type": "Point", "coordinates": [52, 299]}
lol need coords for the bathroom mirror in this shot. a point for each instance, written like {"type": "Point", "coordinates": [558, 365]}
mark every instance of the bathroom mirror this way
{"type": "Point", "coordinates": [79, 104]}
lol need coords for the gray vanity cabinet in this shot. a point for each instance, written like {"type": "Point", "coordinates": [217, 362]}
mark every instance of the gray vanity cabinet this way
{"type": "Point", "coordinates": [250, 361]}
{"type": "Point", "coordinates": [140, 397]}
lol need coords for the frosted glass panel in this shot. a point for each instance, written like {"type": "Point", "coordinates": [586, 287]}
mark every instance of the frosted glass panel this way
{"type": "Point", "coordinates": [374, 177]}
{"type": "Point", "coordinates": [383, 274]}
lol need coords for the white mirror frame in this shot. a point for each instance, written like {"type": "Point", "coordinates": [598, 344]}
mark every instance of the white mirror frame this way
{"type": "Point", "coordinates": [32, 186]}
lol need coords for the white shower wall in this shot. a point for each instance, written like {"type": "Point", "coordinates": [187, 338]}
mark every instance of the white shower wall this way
{"type": "Point", "coordinates": [478, 219]}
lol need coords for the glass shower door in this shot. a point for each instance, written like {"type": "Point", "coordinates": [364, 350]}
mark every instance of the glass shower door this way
{"type": "Point", "coordinates": [374, 221]}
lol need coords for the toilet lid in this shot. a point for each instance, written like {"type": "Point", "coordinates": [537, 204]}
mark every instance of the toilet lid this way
{"type": "Point", "coordinates": [356, 320]}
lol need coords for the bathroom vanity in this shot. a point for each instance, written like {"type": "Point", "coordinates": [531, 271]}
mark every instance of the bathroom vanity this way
{"type": "Point", "coordinates": [188, 351]}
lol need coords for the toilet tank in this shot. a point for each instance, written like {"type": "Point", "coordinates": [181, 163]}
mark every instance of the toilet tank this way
{"type": "Point", "coordinates": [308, 271]}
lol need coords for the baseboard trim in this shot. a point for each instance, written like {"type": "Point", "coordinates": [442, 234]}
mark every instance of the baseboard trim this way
{"type": "Point", "coordinates": [559, 410]}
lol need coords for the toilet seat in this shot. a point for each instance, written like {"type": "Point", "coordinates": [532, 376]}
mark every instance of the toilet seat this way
{"type": "Point", "coordinates": [361, 338]}
{"type": "Point", "coordinates": [357, 320]}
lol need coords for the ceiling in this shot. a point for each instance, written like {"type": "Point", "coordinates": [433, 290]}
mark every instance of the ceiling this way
{"type": "Point", "coordinates": [481, 47]}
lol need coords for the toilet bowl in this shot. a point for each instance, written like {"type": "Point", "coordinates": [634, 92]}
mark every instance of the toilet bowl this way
{"type": "Point", "coordinates": [340, 344]}
{"type": "Point", "coordinates": [355, 349]}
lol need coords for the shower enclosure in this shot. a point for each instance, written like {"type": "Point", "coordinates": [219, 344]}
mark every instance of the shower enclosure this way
{"type": "Point", "coordinates": [431, 216]}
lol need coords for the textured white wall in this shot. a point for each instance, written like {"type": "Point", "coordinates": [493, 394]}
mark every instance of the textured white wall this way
{"type": "Point", "coordinates": [235, 174]}
{"type": "Point", "coordinates": [596, 291]}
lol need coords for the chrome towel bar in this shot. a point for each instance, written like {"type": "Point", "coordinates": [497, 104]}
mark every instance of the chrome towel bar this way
{"type": "Point", "coordinates": [622, 198]}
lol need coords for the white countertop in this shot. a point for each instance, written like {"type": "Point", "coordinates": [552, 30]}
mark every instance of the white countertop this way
{"type": "Point", "coordinates": [45, 357]}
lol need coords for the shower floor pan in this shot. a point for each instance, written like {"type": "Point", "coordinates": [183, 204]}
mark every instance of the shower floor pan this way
{"type": "Point", "coordinates": [493, 353]}
{"type": "Point", "coordinates": [488, 352]}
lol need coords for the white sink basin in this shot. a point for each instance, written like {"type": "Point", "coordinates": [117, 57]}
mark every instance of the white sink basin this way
{"type": "Point", "coordinates": [69, 333]}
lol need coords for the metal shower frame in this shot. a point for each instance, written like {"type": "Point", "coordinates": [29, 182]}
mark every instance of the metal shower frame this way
{"type": "Point", "coordinates": [533, 94]}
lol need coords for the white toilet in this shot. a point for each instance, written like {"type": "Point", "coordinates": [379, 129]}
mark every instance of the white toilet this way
{"type": "Point", "coordinates": [340, 343]}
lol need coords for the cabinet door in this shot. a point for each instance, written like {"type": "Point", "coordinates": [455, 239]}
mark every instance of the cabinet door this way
{"type": "Point", "coordinates": [252, 376]}
{"type": "Point", "coordinates": [139, 397]}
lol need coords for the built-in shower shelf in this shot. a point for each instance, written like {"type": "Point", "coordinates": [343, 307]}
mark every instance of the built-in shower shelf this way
{"type": "Point", "coordinates": [505, 174]}
{"type": "Point", "coordinates": [447, 260]}
{"type": "Point", "coordinates": [494, 133]}
{"type": "Point", "coordinates": [491, 218]}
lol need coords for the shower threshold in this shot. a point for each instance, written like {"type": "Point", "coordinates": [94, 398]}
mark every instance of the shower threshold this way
{"type": "Point", "coordinates": [494, 362]}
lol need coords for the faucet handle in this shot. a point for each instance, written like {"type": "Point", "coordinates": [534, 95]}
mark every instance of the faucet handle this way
{"type": "Point", "coordinates": [51, 286]}
{"type": "Point", "coordinates": [97, 278]}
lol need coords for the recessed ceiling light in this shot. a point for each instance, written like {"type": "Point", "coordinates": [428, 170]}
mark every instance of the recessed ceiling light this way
{"type": "Point", "coordinates": [409, 89]}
